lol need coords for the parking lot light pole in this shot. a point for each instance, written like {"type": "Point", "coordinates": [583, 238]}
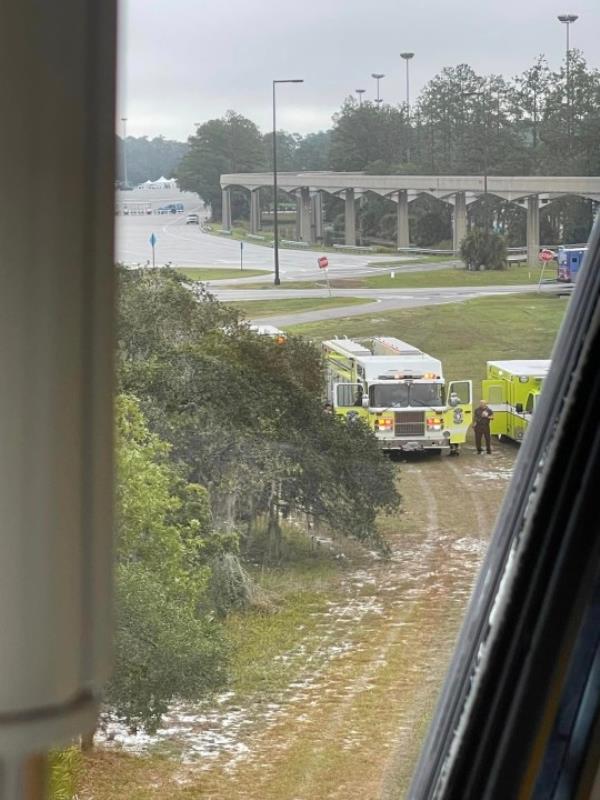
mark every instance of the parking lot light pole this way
{"type": "Point", "coordinates": [407, 57]}
{"type": "Point", "coordinates": [568, 20]}
{"type": "Point", "coordinates": [360, 93]}
{"type": "Point", "coordinates": [378, 76]}
{"type": "Point", "coordinates": [277, 280]}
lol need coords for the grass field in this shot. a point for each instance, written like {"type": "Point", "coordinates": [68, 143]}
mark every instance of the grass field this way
{"type": "Point", "coordinates": [218, 273]}
{"type": "Point", "coordinates": [416, 258]}
{"type": "Point", "coordinates": [427, 279]}
{"type": "Point", "coordinates": [254, 309]}
{"type": "Point", "coordinates": [463, 335]}
{"type": "Point", "coordinates": [454, 277]}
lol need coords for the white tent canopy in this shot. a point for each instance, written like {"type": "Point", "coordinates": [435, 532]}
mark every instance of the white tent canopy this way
{"type": "Point", "coordinates": [161, 183]}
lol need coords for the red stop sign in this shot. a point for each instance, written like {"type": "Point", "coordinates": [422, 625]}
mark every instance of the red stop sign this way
{"type": "Point", "coordinates": [546, 255]}
{"type": "Point", "coordinates": [323, 262]}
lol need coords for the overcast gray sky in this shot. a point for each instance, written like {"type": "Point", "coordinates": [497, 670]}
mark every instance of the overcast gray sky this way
{"type": "Point", "coordinates": [186, 61]}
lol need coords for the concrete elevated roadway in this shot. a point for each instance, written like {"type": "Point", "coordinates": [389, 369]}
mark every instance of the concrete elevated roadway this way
{"type": "Point", "coordinates": [531, 192]}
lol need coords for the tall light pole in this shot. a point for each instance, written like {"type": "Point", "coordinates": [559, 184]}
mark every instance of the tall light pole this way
{"type": "Point", "coordinates": [378, 76]}
{"type": "Point", "coordinates": [360, 93]}
{"type": "Point", "coordinates": [125, 178]}
{"type": "Point", "coordinates": [407, 57]}
{"type": "Point", "coordinates": [568, 20]}
{"type": "Point", "coordinates": [277, 280]}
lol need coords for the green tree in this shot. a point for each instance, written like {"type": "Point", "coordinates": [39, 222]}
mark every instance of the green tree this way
{"type": "Point", "coordinates": [230, 144]}
{"type": "Point", "coordinates": [287, 146]}
{"type": "Point", "coordinates": [167, 644]}
{"type": "Point", "coordinates": [529, 97]}
{"type": "Point", "coordinates": [243, 414]}
{"type": "Point", "coordinates": [483, 249]}
{"type": "Point", "coordinates": [312, 152]}
{"type": "Point", "coordinates": [466, 125]}
{"type": "Point", "coordinates": [571, 122]}
{"type": "Point", "coordinates": [366, 135]}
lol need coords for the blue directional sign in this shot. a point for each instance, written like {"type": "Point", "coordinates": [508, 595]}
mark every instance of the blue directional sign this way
{"type": "Point", "coordinates": [152, 240]}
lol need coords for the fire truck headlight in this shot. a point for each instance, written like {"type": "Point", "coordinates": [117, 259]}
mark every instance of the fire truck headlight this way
{"type": "Point", "coordinates": [384, 424]}
{"type": "Point", "coordinates": [435, 423]}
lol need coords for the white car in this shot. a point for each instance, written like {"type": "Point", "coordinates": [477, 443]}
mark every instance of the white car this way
{"type": "Point", "coordinates": [192, 219]}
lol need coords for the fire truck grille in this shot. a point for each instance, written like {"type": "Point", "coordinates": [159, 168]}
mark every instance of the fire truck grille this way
{"type": "Point", "coordinates": [410, 423]}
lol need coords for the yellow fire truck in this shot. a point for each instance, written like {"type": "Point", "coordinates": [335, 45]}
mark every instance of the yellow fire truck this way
{"type": "Point", "coordinates": [512, 389]}
{"type": "Point", "coordinates": [399, 391]}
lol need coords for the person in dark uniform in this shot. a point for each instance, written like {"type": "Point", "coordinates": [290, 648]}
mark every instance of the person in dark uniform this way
{"type": "Point", "coordinates": [481, 425]}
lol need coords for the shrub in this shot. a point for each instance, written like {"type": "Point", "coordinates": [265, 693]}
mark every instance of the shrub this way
{"type": "Point", "coordinates": [64, 767]}
{"type": "Point", "coordinates": [483, 249]}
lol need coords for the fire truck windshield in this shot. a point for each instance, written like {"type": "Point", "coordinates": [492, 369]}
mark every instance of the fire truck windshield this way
{"type": "Point", "coordinates": [403, 395]}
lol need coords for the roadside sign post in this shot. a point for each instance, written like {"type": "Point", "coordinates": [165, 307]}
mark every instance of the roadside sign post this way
{"type": "Point", "coordinates": [153, 246]}
{"type": "Point", "coordinates": [323, 263]}
{"type": "Point", "coordinates": [241, 255]}
{"type": "Point", "coordinates": [545, 256]}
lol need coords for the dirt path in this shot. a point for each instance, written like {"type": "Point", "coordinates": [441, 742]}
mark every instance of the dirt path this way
{"type": "Point", "coordinates": [350, 727]}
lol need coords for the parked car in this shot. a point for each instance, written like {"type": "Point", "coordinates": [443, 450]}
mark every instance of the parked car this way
{"type": "Point", "coordinates": [192, 219]}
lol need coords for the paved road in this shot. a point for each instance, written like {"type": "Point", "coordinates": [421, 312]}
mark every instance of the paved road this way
{"type": "Point", "coordinates": [187, 245]}
{"type": "Point", "coordinates": [380, 300]}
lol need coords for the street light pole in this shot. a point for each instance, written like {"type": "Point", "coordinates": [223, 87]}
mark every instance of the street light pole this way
{"type": "Point", "coordinates": [378, 76]}
{"type": "Point", "coordinates": [360, 93]}
{"type": "Point", "coordinates": [277, 280]}
{"type": "Point", "coordinates": [567, 20]}
{"type": "Point", "coordinates": [407, 57]}
{"type": "Point", "coordinates": [125, 178]}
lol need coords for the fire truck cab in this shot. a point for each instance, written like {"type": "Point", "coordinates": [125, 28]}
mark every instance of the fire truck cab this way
{"type": "Point", "coordinates": [399, 392]}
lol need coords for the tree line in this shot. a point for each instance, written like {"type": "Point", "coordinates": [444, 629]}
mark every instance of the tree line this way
{"type": "Point", "coordinates": [462, 123]}
{"type": "Point", "coordinates": [147, 159]}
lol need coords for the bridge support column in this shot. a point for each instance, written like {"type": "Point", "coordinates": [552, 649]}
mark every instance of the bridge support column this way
{"type": "Point", "coordinates": [460, 220]}
{"type": "Point", "coordinates": [402, 227]}
{"type": "Point", "coordinates": [298, 231]}
{"type": "Point", "coordinates": [305, 215]}
{"type": "Point", "coordinates": [226, 210]}
{"type": "Point", "coordinates": [533, 229]}
{"type": "Point", "coordinates": [317, 216]}
{"type": "Point", "coordinates": [350, 218]}
{"type": "Point", "coordinates": [255, 211]}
